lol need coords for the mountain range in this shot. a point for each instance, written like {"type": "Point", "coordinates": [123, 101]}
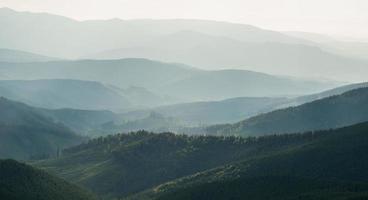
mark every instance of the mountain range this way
{"type": "Point", "coordinates": [194, 42]}
{"type": "Point", "coordinates": [9, 55]}
{"type": "Point", "coordinates": [234, 109]}
{"type": "Point", "coordinates": [170, 81]}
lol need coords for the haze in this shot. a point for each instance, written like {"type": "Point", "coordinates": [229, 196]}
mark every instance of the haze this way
{"type": "Point", "coordinates": [346, 18]}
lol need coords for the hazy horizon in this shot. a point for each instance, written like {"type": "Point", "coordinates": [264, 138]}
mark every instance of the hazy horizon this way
{"type": "Point", "coordinates": [345, 19]}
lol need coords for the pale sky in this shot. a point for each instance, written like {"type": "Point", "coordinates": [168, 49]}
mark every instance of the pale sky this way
{"type": "Point", "coordinates": [334, 17]}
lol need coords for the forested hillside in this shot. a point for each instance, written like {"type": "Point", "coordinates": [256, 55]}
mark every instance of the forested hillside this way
{"type": "Point", "coordinates": [22, 182]}
{"type": "Point", "coordinates": [25, 133]}
{"type": "Point", "coordinates": [124, 164]}
{"type": "Point", "coordinates": [330, 167]}
{"type": "Point", "coordinates": [332, 112]}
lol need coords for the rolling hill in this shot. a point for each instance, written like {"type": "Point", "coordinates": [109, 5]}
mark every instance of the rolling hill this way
{"type": "Point", "coordinates": [331, 167]}
{"type": "Point", "coordinates": [9, 55]}
{"type": "Point", "coordinates": [234, 109]}
{"type": "Point", "coordinates": [199, 50]}
{"type": "Point", "coordinates": [170, 81]}
{"type": "Point", "coordinates": [19, 181]}
{"type": "Point", "coordinates": [331, 112]}
{"type": "Point", "coordinates": [213, 112]}
{"type": "Point", "coordinates": [25, 133]}
{"type": "Point", "coordinates": [64, 93]}
{"type": "Point", "coordinates": [125, 164]}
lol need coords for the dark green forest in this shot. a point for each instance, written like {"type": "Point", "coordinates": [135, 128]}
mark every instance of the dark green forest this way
{"type": "Point", "coordinates": [333, 165]}
{"type": "Point", "coordinates": [19, 181]}
{"type": "Point", "coordinates": [332, 112]}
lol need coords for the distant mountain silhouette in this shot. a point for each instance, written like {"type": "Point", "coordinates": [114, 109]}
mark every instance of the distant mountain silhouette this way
{"type": "Point", "coordinates": [9, 55]}
{"type": "Point", "coordinates": [170, 81]}
{"type": "Point", "coordinates": [194, 42]}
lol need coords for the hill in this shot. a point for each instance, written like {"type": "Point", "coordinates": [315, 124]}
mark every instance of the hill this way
{"type": "Point", "coordinates": [330, 167]}
{"type": "Point", "coordinates": [9, 55]}
{"type": "Point", "coordinates": [179, 82]}
{"type": "Point", "coordinates": [19, 181]}
{"type": "Point", "coordinates": [224, 84]}
{"type": "Point", "coordinates": [125, 164]}
{"type": "Point", "coordinates": [25, 133]}
{"type": "Point", "coordinates": [64, 93]}
{"type": "Point", "coordinates": [213, 112]}
{"type": "Point", "coordinates": [332, 112]}
{"type": "Point", "coordinates": [234, 109]}
{"type": "Point", "coordinates": [83, 122]}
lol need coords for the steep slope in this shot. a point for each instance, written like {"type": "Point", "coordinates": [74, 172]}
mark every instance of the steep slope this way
{"type": "Point", "coordinates": [332, 112]}
{"type": "Point", "coordinates": [124, 164]}
{"type": "Point", "coordinates": [25, 133]}
{"type": "Point", "coordinates": [331, 167]}
{"type": "Point", "coordinates": [19, 181]}
{"type": "Point", "coordinates": [9, 55]}
{"type": "Point", "coordinates": [167, 79]}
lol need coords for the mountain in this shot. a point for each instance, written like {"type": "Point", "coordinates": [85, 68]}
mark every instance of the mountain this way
{"type": "Point", "coordinates": [224, 84]}
{"type": "Point", "coordinates": [63, 93]}
{"type": "Point", "coordinates": [83, 122]}
{"type": "Point", "coordinates": [332, 112]}
{"type": "Point", "coordinates": [9, 55]}
{"type": "Point", "coordinates": [232, 110]}
{"type": "Point", "coordinates": [328, 93]}
{"type": "Point", "coordinates": [352, 48]}
{"type": "Point", "coordinates": [152, 122]}
{"type": "Point", "coordinates": [330, 167]}
{"type": "Point", "coordinates": [213, 112]}
{"type": "Point", "coordinates": [141, 97]}
{"type": "Point", "coordinates": [174, 82]}
{"type": "Point", "coordinates": [70, 38]}
{"type": "Point", "coordinates": [78, 94]}
{"type": "Point", "coordinates": [121, 73]}
{"type": "Point", "coordinates": [19, 181]}
{"type": "Point", "coordinates": [195, 42]}
{"type": "Point", "coordinates": [123, 164]}
{"type": "Point", "coordinates": [197, 49]}
{"type": "Point", "coordinates": [25, 133]}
